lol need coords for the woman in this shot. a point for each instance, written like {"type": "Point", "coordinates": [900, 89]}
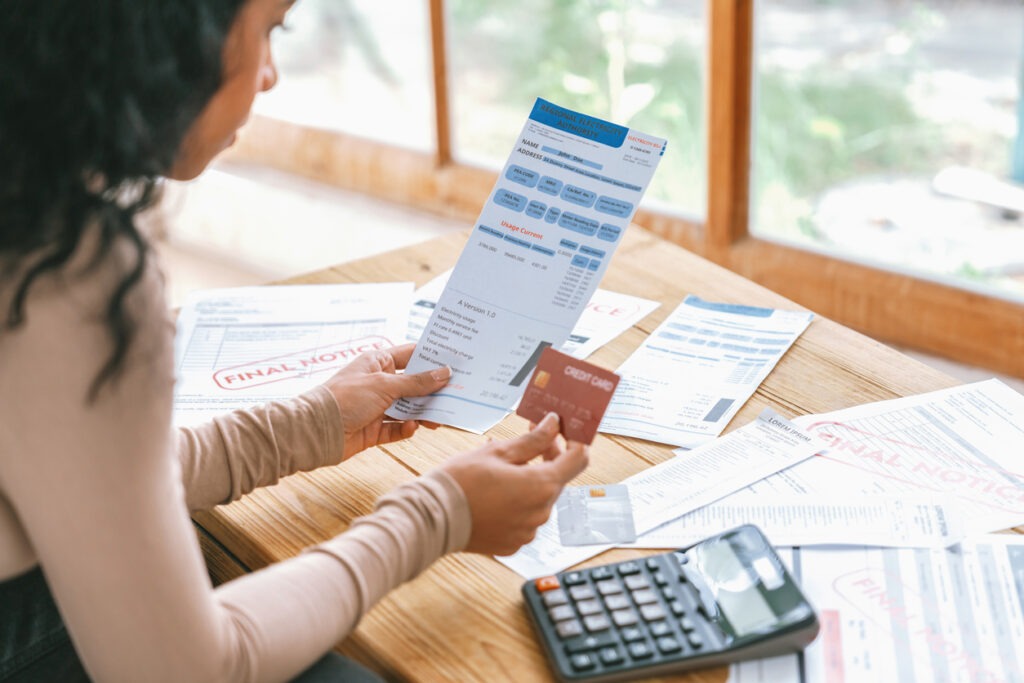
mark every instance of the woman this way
{"type": "Point", "coordinates": [100, 571]}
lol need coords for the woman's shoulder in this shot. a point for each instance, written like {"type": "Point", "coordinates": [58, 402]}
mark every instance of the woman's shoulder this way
{"type": "Point", "coordinates": [95, 269]}
{"type": "Point", "coordinates": [66, 310]}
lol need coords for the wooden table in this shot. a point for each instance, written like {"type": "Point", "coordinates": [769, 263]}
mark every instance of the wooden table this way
{"type": "Point", "coordinates": [463, 620]}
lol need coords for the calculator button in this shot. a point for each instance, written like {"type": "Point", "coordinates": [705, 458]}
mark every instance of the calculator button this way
{"type": "Point", "coordinates": [660, 628]}
{"type": "Point", "coordinates": [568, 629]}
{"type": "Point", "coordinates": [573, 578]}
{"type": "Point", "coordinates": [547, 583]}
{"type": "Point", "coordinates": [601, 573]}
{"type": "Point", "coordinates": [660, 578]}
{"type": "Point", "coordinates": [597, 622]}
{"type": "Point", "coordinates": [687, 624]}
{"type": "Point", "coordinates": [652, 563]}
{"type": "Point", "coordinates": [590, 642]}
{"type": "Point", "coordinates": [686, 596]}
{"type": "Point", "coordinates": [588, 607]}
{"type": "Point", "coordinates": [640, 650]}
{"type": "Point", "coordinates": [624, 617]}
{"type": "Point", "coordinates": [631, 633]}
{"type": "Point", "coordinates": [636, 582]}
{"type": "Point", "coordinates": [611, 655]}
{"type": "Point", "coordinates": [609, 587]}
{"type": "Point", "coordinates": [644, 597]}
{"type": "Point", "coordinates": [614, 602]}
{"type": "Point", "coordinates": [652, 612]}
{"type": "Point", "coordinates": [678, 608]}
{"type": "Point", "coordinates": [669, 644]}
{"type": "Point", "coordinates": [668, 593]}
{"type": "Point", "coordinates": [561, 613]}
{"type": "Point", "coordinates": [581, 592]}
{"type": "Point", "coordinates": [695, 640]}
{"type": "Point", "coordinates": [583, 661]}
{"type": "Point", "coordinates": [627, 568]}
{"type": "Point", "coordinates": [554, 598]}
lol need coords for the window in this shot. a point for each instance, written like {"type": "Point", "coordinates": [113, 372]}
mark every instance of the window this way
{"type": "Point", "coordinates": [356, 66]}
{"type": "Point", "coordinates": [879, 126]}
{"type": "Point", "coordinates": [639, 64]}
{"type": "Point", "coordinates": [815, 150]}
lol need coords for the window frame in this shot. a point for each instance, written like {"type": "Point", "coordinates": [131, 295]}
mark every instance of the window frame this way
{"type": "Point", "coordinates": [896, 308]}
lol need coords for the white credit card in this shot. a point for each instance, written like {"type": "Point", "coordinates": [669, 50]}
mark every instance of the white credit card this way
{"type": "Point", "coordinates": [595, 514]}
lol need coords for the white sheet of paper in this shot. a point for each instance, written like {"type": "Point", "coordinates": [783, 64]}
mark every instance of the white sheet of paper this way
{"type": "Point", "coordinates": [691, 376]}
{"type": "Point", "coordinates": [541, 244]}
{"type": "Point", "coordinates": [927, 521]}
{"type": "Point", "coordinates": [921, 471]}
{"type": "Point", "coordinates": [908, 615]}
{"type": "Point", "coordinates": [608, 315]}
{"type": "Point", "coordinates": [245, 346]}
{"type": "Point", "coordinates": [965, 443]}
{"type": "Point", "coordinates": [682, 484]}
{"type": "Point", "coordinates": [424, 301]}
{"type": "Point", "coordinates": [605, 317]}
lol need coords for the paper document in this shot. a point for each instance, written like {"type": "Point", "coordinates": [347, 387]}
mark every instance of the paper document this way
{"type": "Point", "coordinates": [542, 242]}
{"type": "Point", "coordinates": [966, 443]}
{"type": "Point", "coordinates": [608, 315]}
{"type": "Point", "coordinates": [245, 346]}
{"type": "Point", "coordinates": [424, 301]}
{"type": "Point", "coordinates": [692, 375]}
{"type": "Point", "coordinates": [605, 317]}
{"type": "Point", "coordinates": [881, 520]}
{"type": "Point", "coordinates": [908, 615]}
{"type": "Point", "coordinates": [952, 457]}
{"type": "Point", "coordinates": [682, 484]}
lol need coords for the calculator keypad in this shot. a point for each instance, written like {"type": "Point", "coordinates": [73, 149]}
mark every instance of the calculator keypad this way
{"type": "Point", "coordinates": [638, 612]}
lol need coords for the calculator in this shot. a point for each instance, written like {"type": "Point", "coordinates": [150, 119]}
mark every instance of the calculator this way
{"type": "Point", "coordinates": [725, 599]}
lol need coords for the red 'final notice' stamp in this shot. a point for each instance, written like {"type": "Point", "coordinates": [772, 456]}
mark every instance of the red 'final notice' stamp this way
{"type": "Point", "coordinates": [929, 464]}
{"type": "Point", "coordinates": [323, 358]}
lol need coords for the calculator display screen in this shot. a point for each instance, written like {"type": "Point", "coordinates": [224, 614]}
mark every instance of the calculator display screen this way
{"type": "Point", "coordinates": [736, 588]}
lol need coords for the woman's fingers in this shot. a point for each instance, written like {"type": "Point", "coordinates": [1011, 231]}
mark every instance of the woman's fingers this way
{"type": "Point", "coordinates": [541, 440]}
{"type": "Point", "coordinates": [569, 463]}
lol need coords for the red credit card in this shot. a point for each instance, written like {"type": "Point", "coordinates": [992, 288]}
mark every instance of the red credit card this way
{"type": "Point", "coordinates": [579, 392]}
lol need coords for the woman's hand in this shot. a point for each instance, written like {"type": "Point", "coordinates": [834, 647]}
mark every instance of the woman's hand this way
{"type": "Point", "coordinates": [508, 499]}
{"type": "Point", "coordinates": [367, 386]}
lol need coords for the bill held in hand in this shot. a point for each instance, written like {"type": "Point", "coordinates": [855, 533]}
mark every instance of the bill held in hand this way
{"type": "Point", "coordinates": [577, 391]}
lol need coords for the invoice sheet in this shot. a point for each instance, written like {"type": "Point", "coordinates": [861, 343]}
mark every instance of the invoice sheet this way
{"type": "Point", "coordinates": [920, 471]}
{"type": "Point", "coordinates": [606, 316]}
{"type": "Point", "coordinates": [245, 346]}
{"type": "Point", "coordinates": [965, 443]}
{"type": "Point", "coordinates": [908, 615]}
{"type": "Point", "coordinates": [899, 520]}
{"type": "Point", "coordinates": [540, 246]}
{"type": "Point", "coordinates": [691, 376]}
{"type": "Point", "coordinates": [677, 486]}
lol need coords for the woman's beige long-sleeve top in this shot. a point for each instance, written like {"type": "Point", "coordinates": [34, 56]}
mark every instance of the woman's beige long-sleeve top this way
{"type": "Point", "coordinates": [99, 495]}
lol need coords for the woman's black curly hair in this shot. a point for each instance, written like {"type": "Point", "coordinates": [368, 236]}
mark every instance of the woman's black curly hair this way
{"type": "Point", "coordinates": [95, 99]}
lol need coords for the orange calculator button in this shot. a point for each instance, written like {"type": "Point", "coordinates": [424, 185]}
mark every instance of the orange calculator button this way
{"type": "Point", "coordinates": [547, 583]}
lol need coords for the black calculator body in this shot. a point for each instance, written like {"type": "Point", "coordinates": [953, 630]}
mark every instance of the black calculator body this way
{"type": "Point", "coordinates": [725, 599]}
